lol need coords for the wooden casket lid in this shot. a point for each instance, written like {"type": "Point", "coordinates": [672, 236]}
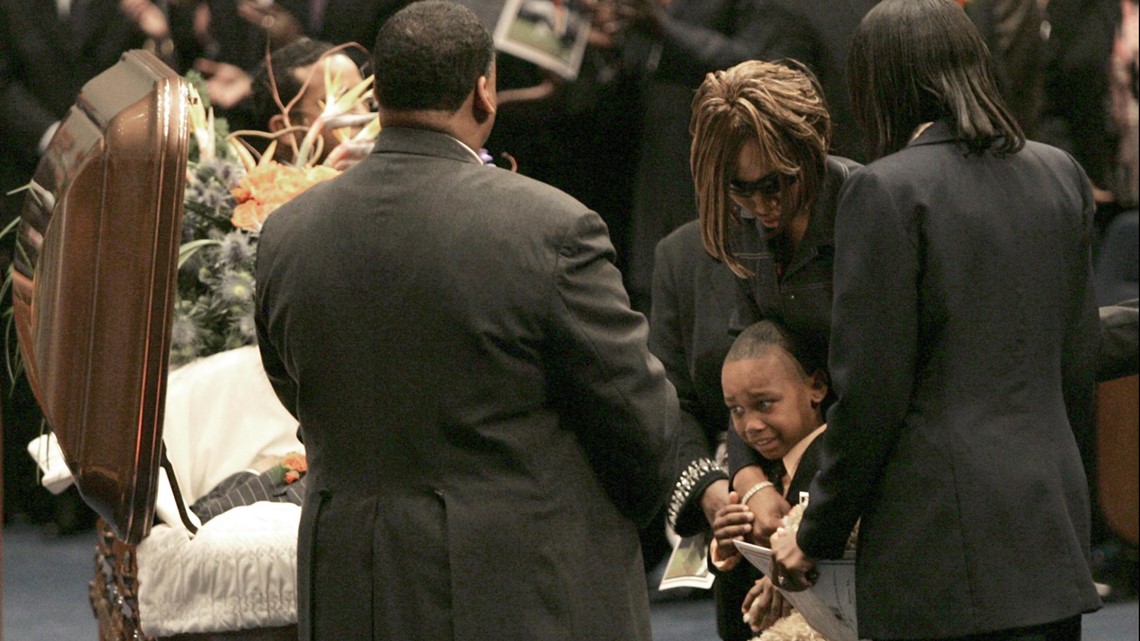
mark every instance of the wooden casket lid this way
{"type": "Point", "coordinates": [94, 281]}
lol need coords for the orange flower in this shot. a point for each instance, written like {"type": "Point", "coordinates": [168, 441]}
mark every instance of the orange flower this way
{"type": "Point", "coordinates": [292, 467]}
{"type": "Point", "coordinates": [268, 186]}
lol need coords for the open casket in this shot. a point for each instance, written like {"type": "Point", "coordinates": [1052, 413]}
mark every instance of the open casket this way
{"type": "Point", "coordinates": [93, 291]}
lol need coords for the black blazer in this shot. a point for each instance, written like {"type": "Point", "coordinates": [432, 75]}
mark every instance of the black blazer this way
{"type": "Point", "coordinates": [731, 587]}
{"type": "Point", "coordinates": [693, 298]}
{"type": "Point", "coordinates": [485, 425]}
{"type": "Point", "coordinates": [963, 350]}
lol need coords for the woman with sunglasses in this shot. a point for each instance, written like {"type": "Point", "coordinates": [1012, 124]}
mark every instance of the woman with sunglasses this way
{"type": "Point", "coordinates": [766, 195]}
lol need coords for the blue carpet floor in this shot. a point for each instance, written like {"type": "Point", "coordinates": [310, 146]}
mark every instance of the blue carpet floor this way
{"type": "Point", "coordinates": [45, 597]}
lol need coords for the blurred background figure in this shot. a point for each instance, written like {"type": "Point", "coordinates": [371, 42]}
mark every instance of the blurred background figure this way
{"type": "Point", "coordinates": [669, 47]}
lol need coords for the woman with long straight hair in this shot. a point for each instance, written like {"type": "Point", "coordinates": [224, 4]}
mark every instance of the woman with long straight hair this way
{"type": "Point", "coordinates": [963, 343]}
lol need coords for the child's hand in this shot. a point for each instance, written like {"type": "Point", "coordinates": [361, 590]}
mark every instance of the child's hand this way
{"type": "Point", "coordinates": [732, 522]}
{"type": "Point", "coordinates": [764, 605]}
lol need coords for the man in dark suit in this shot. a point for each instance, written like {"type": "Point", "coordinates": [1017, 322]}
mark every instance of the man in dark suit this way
{"type": "Point", "coordinates": [484, 423]}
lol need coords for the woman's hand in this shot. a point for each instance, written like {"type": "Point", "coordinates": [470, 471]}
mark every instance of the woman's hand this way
{"type": "Point", "coordinates": [769, 508]}
{"type": "Point", "coordinates": [713, 498]}
{"type": "Point", "coordinates": [279, 24]}
{"type": "Point", "coordinates": [792, 570]}
{"type": "Point", "coordinates": [764, 605]}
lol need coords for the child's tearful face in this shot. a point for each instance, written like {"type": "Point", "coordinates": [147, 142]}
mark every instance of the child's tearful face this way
{"type": "Point", "coordinates": [770, 400]}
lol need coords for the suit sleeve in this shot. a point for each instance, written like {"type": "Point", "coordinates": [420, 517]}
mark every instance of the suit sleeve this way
{"type": "Point", "coordinates": [874, 346]}
{"type": "Point", "coordinates": [667, 342]}
{"type": "Point", "coordinates": [609, 386]}
{"type": "Point", "coordinates": [1081, 353]}
{"type": "Point", "coordinates": [284, 386]}
{"type": "Point", "coordinates": [1120, 341]}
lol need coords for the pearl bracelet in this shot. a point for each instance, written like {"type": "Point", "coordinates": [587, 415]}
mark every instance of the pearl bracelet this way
{"type": "Point", "coordinates": [754, 489]}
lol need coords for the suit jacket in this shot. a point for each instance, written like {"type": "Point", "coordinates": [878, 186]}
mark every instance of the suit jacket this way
{"type": "Point", "coordinates": [693, 298]}
{"type": "Point", "coordinates": [732, 586]}
{"type": "Point", "coordinates": [963, 356]}
{"type": "Point", "coordinates": [818, 33]}
{"type": "Point", "coordinates": [484, 423]}
{"type": "Point", "coordinates": [44, 62]}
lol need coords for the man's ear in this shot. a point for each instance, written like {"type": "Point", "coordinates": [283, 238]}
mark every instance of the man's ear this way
{"type": "Point", "coordinates": [819, 385]}
{"type": "Point", "coordinates": [485, 99]}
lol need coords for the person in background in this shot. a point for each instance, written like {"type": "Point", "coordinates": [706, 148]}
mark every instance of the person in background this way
{"type": "Point", "coordinates": [818, 33]}
{"type": "Point", "coordinates": [669, 46]}
{"type": "Point", "coordinates": [1014, 32]}
{"type": "Point", "coordinates": [963, 356]}
{"type": "Point", "coordinates": [484, 423]}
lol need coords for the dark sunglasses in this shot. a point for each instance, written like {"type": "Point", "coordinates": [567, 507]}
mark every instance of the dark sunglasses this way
{"type": "Point", "coordinates": [768, 186]}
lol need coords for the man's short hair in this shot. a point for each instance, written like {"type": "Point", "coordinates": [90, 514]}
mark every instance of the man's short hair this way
{"type": "Point", "coordinates": [429, 55]}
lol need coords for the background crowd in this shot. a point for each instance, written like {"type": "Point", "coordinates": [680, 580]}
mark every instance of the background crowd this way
{"type": "Point", "coordinates": [617, 138]}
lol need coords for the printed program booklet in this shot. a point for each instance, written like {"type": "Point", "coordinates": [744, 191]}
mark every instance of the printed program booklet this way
{"type": "Point", "coordinates": [829, 605]}
{"type": "Point", "coordinates": [550, 33]}
{"type": "Point", "coordinates": [688, 565]}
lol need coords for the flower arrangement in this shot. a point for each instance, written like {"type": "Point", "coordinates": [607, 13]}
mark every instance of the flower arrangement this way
{"type": "Point", "coordinates": [290, 469]}
{"type": "Point", "coordinates": [230, 191]}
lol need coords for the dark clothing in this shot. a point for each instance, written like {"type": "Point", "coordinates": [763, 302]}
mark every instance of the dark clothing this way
{"type": "Point", "coordinates": [798, 296]}
{"type": "Point", "coordinates": [1120, 341]}
{"type": "Point", "coordinates": [693, 298]}
{"type": "Point", "coordinates": [243, 44]}
{"type": "Point", "coordinates": [1065, 630]}
{"type": "Point", "coordinates": [44, 61]}
{"type": "Point", "coordinates": [963, 352]}
{"type": "Point", "coordinates": [731, 587]}
{"type": "Point", "coordinates": [484, 424]}
{"type": "Point", "coordinates": [246, 488]}
{"type": "Point", "coordinates": [1074, 116]}
{"type": "Point", "coordinates": [818, 33]}
{"type": "Point", "coordinates": [1012, 32]}
{"type": "Point", "coordinates": [699, 37]}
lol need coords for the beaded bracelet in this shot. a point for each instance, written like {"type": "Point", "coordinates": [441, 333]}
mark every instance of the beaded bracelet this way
{"type": "Point", "coordinates": [754, 489]}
